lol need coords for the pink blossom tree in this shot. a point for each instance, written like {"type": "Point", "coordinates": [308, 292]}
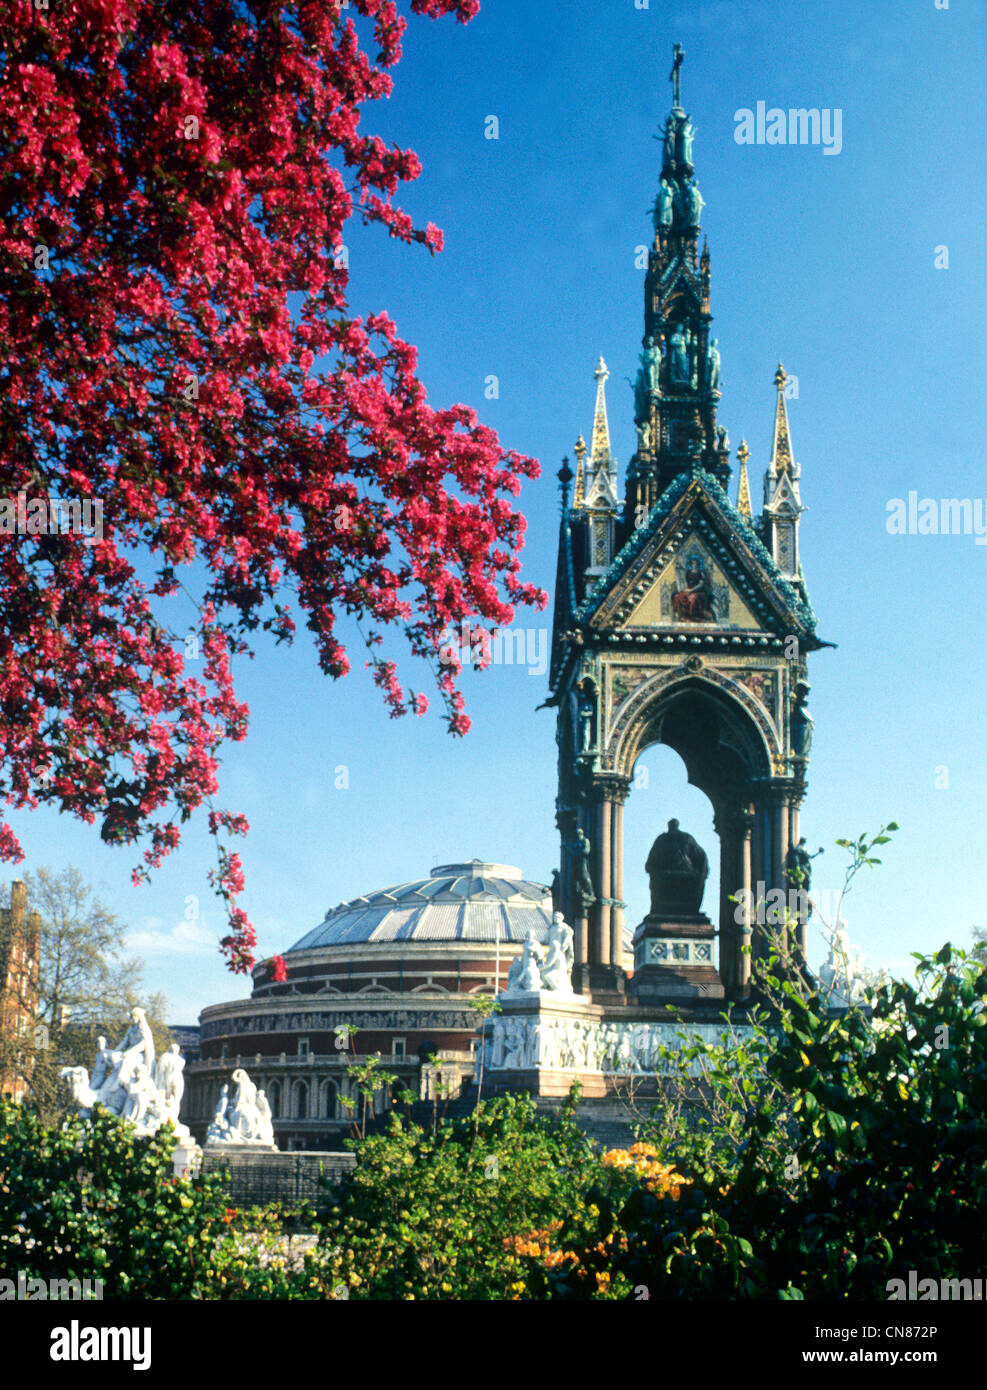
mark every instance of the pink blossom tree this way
{"type": "Point", "coordinates": [176, 346]}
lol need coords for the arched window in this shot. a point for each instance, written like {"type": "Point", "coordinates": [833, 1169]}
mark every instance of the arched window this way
{"type": "Point", "coordinates": [273, 1094]}
{"type": "Point", "coordinates": [329, 1102]}
{"type": "Point", "coordinates": [301, 1100]}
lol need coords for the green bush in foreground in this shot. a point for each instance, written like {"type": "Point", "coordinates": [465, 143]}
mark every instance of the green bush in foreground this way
{"type": "Point", "coordinates": [860, 1154]}
{"type": "Point", "coordinates": [92, 1201]}
{"type": "Point", "coordinates": [427, 1215]}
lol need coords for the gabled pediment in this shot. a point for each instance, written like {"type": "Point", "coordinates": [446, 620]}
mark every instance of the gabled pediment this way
{"type": "Point", "coordinates": [602, 493]}
{"type": "Point", "coordinates": [784, 498]}
{"type": "Point", "coordinates": [692, 590]}
{"type": "Point", "coordinates": [696, 567]}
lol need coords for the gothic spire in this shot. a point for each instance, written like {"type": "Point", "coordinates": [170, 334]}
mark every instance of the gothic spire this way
{"type": "Point", "coordinates": [744, 489]}
{"type": "Point", "coordinates": [678, 384]}
{"type": "Point", "coordinates": [600, 452]}
{"type": "Point", "coordinates": [600, 479]}
{"type": "Point", "coordinates": [580, 452]}
{"type": "Point", "coordinates": [781, 445]}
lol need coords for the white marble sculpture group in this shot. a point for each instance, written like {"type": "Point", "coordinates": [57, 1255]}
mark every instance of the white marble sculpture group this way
{"type": "Point", "coordinates": [843, 975]}
{"type": "Point", "coordinates": [130, 1082]}
{"type": "Point", "coordinates": [538, 971]}
{"type": "Point", "coordinates": [244, 1117]}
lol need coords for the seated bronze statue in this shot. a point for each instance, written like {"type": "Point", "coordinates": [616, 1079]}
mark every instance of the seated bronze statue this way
{"type": "Point", "coordinates": [678, 868]}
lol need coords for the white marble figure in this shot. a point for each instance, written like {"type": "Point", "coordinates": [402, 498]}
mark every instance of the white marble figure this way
{"type": "Point", "coordinates": [244, 1117]}
{"type": "Point", "coordinates": [561, 931]}
{"type": "Point", "coordinates": [535, 1042]}
{"type": "Point", "coordinates": [517, 1042]}
{"type": "Point", "coordinates": [264, 1108]}
{"type": "Point", "coordinates": [141, 1106]}
{"type": "Point", "coordinates": [497, 1045]}
{"type": "Point", "coordinates": [138, 1037]}
{"type": "Point", "coordinates": [83, 1096]}
{"type": "Point", "coordinates": [106, 1062]}
{"type": "Point", "coordinates": [844, 976]}
{"type": "Point", "coordinates": [218, 1131]}
{"type": "Point", "coordinates": [524, 976]}
{"type": "Point", "coordinates": [169, 1079]}
{"type": "Point", "coordinates": [126, 1082]}
{"type": "Point", "coordinates": [555, 971]}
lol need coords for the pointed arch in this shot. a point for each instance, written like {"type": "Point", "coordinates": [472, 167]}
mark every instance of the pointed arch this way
{"type": "Point", "coordinates": [734, 718]}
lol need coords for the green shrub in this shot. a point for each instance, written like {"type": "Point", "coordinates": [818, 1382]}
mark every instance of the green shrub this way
{"type": "Point", "coordinates": [860, 1153]}
{"type": "Point", "coordinates": [430, 1215]}
{"type": "Point", "coordinates": [92, 1201]}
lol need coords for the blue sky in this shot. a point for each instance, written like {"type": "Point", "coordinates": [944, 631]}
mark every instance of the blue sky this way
{"type": "Point", "coordinates": [826, 263]}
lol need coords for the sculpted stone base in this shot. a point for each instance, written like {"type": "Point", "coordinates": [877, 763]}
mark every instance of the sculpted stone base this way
{"type": "Point", "coordinates": [673, 960]}
{"type": "Point", "coordinates": [541, 1044]}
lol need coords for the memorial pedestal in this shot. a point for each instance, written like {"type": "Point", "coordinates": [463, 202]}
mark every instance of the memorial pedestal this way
{"type": "Point", "coordinates": [673, 960]}
{"type": "Point", "coordinates": [540, 1042]}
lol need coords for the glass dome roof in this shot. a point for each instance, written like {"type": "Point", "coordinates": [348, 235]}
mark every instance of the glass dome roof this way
{"type": "Point", "coordinates": [476, 901]}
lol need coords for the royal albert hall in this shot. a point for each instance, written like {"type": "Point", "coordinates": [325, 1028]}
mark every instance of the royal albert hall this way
{"type": "Point", "coordinates": [399, 966]}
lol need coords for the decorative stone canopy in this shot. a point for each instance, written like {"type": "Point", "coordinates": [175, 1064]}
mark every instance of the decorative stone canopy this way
{"type": "Point", "coordinates": [475, 901]}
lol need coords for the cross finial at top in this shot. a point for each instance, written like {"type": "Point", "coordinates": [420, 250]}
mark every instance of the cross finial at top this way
{"type": "Point", "coordinates": [673, 76]}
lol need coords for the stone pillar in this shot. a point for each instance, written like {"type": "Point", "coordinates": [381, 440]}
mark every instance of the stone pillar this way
{"type": "Point", "coordinates": [726, 831]}
{"type": "Point", "coordinates": [795, 832]}
{"type": "Point", "coordinates": [773, 802]}
{"type": "Point", "coordinates": [617, 860]}
{"type": "Point", "coordinates": [734, 830]}
{"type": "Point", "coordinates": [581, 944]}
{"type": "Point", "coordinates": [604, 849]}
{"type": "Point", "coordinates": [606, 977]}
{"type": "Point", "coordinates": [743, 960]}
{"type": "Point", "coordinates": [784, 815]}
{"type": "Point", "coordinates": [571, 908]}
{"type": "Point", "coordinates": [764, 867]}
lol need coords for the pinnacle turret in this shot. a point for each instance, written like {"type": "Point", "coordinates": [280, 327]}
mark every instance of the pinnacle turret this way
{"type": "Point", "coordinates": [782, 497]}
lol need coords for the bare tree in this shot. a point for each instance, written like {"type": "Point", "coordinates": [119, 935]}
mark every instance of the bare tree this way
{"type": "Point", "coordinates": [86, 985]}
